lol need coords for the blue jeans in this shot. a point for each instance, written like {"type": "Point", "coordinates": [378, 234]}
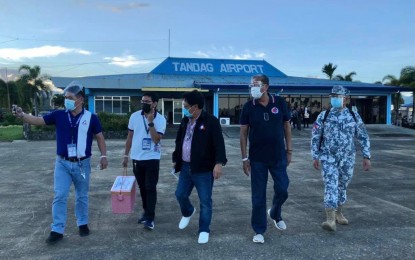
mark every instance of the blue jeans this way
{"type": "Point", "coordinates": [66, 173]}
{"type": "Point", "coordinates": [259, 179]}
{"type": "Point", "coordinates": [204, 186]}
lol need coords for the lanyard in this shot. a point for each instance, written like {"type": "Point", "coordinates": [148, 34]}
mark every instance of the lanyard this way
{"type": "Point", "coordinates": [145, 125]}
{"type": "Point", "coordinates": [76, 123]}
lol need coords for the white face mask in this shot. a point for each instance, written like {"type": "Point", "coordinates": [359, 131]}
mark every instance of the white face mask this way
{"type": "Point", "coordinates": [256, 92]}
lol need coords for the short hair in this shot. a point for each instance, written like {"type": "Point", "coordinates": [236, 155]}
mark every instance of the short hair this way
{"type": "Point", "coordinates": [262, 77]}
{"type": "Point", "coordinates": [194, 98]}
{"type": "Point", "coordinates": [152, 95]}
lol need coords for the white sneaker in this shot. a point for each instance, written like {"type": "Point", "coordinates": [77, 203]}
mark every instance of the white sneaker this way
{"type": "Point", "coordinates": [203, 238]}
{"type": "Point", "coordinates": [258, 238]}
{"type": "Point", "coordinates": [280, 224]}
{"type": "Point", "coordinates": [185, 220]}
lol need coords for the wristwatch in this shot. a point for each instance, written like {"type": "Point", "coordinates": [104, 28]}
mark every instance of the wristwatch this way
{"type": "Point", "coordinates": [151, 124]}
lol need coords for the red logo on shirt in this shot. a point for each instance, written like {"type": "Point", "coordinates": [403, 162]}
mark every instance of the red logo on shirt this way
{"type": "Point", "coordinates": [274, 110]}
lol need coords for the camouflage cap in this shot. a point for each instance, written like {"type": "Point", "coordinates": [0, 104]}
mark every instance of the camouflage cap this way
{"type": "Point", "coordinates": [339, 90]}
{"type": "Point", "coordinates": [74, 87]}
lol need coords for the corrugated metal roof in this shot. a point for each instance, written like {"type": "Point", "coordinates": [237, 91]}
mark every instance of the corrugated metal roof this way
{"type": "Point", "coordinates": [215, 81]}
{"type": "Point", "coordinates": [299, 84]}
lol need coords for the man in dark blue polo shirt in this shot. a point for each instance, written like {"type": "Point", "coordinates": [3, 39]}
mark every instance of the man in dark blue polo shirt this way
{"type": "Point", "coordinates": [266, 119]}
{"type": "Point", "coordinates": [75, 129]}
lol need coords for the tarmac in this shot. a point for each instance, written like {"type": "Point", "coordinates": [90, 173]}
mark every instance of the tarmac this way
{"type": "Point", "coordinates": [380, 208]}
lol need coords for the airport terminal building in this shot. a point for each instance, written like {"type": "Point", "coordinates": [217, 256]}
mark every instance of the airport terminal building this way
{"type": "Point", "coordinates": [224, 83]}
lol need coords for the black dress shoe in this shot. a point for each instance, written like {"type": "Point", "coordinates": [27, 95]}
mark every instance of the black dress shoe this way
{"type": "Point", "coordinates": [54, 238]}
{"type": "Point", "coordinates": [83, 230]}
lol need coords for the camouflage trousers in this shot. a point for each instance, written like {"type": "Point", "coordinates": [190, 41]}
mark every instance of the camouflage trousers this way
{"type": "Point", "coordinates": [336, 177]}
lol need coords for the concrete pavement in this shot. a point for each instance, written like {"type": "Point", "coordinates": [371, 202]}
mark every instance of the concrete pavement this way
{"type": "Point", "coordinates": [381, 208]}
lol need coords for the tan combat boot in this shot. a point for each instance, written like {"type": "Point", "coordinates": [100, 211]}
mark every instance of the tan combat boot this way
{"type": "Point", "coordinates": [340, 218]}
{"type": "Point", "coordinates": [330, 223]}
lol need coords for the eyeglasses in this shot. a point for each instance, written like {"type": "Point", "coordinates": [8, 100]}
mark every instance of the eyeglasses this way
{"type": "Point", "coordinates": [146, 101]}
{"type": "Point", "coordinates": [336, 95]}
{"type": "Point", "coordinates": [266, 116]}
{"type": "Point", "coordinates": [255, 85]}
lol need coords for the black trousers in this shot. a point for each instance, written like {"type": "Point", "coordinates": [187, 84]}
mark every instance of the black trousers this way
{"type": "Point", "coordinates": [147, 175]}
{"type": "Point", "coordinates": [306, 122]}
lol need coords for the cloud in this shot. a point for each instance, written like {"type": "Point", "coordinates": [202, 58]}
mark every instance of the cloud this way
{"type": "Point", "coordinates": [247, 54]}
{"type": "Point", "coordinates": [124, 7]}
{"type": "Point", "coordinates": [126, 61]}
{"type": "Point", "coordinates": [14, 54]}
{"type": "Point", "coordinates": [229, 52]}
{"type": "Point", "coordinates": [244, 56]}
{"type": "Point", "coordinates": [202, 54]}
{"type": "Point", "coordinates": [261, 55]}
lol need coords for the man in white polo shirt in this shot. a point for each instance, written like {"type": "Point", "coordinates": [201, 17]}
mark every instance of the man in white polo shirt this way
{"type": "Point", "coordinates": [145, 130]}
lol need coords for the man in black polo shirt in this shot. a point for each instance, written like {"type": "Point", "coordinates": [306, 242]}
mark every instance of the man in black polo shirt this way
{"type": "Point", "coordinates": [266, 119]}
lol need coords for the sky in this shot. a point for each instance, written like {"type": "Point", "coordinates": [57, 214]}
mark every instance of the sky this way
{"type": "Point", "coordinates": [373, 38]}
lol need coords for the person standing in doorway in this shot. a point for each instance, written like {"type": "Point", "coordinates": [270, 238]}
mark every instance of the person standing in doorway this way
{"type": "Point", "coordinates": [75, 130]}
{"type": "Point", "coordinates": [145, 130]}
{"type": "Point", "coordinates": [266, 120]}
{"type": "Point", "coordinates": [306, 119]}
{"type": "Point", "coordinates": [332, 143]}
{"type": "Point", "coordinates": [199, 156]}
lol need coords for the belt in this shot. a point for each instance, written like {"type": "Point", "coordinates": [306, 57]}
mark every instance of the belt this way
{"type": "Point", "coordinates": [73, 159]}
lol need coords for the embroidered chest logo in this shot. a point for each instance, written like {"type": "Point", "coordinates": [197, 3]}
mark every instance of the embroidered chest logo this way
{"type": "Point", "coordinates": [274, 110]}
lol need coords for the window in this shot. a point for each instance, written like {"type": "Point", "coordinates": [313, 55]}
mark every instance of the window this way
{"type": "Point", "coordinates": [231, 106]}
{"type": "Point", "coordinates": [112, 104]}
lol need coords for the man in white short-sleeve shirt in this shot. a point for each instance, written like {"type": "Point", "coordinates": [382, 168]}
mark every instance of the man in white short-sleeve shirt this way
{"type": "Point", "coordinates": [145, 130]}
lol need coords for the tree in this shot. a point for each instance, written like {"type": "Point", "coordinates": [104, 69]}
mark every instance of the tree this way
{"type": "Point", "coordinates": [3, 94]}
{"type": "Point", "coordinates": [34, 83]}
{"type": "Point", "coordinates": [58, 101]}
{"type": "Point", "coordinates": [329, 69]}
{"type": "Point", "coordinates": [347, 77]}
{"type": "Point", "coordinates": [406, 79]}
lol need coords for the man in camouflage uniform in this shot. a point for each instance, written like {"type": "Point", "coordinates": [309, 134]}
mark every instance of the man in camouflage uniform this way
{"type": "Point", "coordinates": [336, 151]}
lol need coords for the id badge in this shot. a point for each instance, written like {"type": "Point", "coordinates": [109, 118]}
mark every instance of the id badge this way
{"type": "Point", "coordinates": [146, 145]}
{"type": "Point", "coordinates": [71, 150]}
{"type": "Point", "coordinates": [157, 148]}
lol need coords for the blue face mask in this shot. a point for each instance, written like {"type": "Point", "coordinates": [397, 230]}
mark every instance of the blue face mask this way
{"type": "Point", "coordinates": [336, 102]}
{"type": "Point", "coordinates": [187, 113]}
{"type": "Point", "coordinates": [70, 104]}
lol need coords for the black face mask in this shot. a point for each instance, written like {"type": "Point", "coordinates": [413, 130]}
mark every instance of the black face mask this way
{"type": "Point", "coordinates": [146, 108]}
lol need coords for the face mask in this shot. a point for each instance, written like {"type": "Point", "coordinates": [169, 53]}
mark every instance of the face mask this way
{"type": "Point", "coordinates": [70, 104]}
{"type": "Point", "coordinates": [336, 102]}
{"type": "Point", "coordinates": [186, 112]}
{"type": "Point", "coordinates": [256, 92]}
{"type": "Point", "coordinates": [146, 108]}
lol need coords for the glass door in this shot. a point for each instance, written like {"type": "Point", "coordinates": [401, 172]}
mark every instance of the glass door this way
{"type": "Point", "coordinates": [177, 111]}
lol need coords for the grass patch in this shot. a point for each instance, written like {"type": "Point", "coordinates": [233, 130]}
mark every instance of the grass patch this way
{"type": "Point", "coordinates": [10, 133]}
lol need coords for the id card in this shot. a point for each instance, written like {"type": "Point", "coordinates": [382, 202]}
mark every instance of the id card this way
{"type": "Point", "coordinates": [71, 150]}
{"type": "Point", "coordinates": [146, 145]}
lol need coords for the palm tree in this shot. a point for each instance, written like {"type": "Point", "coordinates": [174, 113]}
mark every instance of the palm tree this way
{"type": "Point", "coordinates": [407, 79]}
{"type": "Point", "coordinates": [34, 82]}
{"type": "Point", "coordinates": [4, 94]}
{"type": "Point", "coordinates": [391, 80]}
{"type": "Point", "coordinates": [347, 77]}
{"type": "Point", "coordinates": [58, 101]}
{"type": "Point", "coordinates": [329, 69]}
